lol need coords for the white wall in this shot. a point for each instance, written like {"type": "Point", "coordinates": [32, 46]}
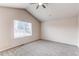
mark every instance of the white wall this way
{"type": "Point", "coordinates": [7, 15]}
{"type": "Point", "coordinates": [61, 30]}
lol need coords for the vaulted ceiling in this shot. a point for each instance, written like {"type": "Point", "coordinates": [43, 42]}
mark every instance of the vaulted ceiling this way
{"type": "Point", "coordinates": [52, 11]}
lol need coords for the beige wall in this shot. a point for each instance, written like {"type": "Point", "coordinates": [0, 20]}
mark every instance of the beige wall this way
{"type": "Point", "coordinates": [63, 30]}
{"type": "Point", "coordinates": [78, 30]}
{"type": "Point", "coordinates": [7, 15]}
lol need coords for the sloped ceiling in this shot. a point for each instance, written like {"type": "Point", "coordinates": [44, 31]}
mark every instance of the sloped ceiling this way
{"type": "Point", "coordinates": [52, 11]}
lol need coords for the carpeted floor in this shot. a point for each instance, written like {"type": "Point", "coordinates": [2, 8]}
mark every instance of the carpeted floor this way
{"type": "Point", "coordinates": [42, 48]}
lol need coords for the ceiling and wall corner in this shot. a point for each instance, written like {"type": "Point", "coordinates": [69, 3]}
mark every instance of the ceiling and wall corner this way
{"type": "Point", "coordinates": [52, 11]}
{"type": "Point", "coordinates": [33, 16]}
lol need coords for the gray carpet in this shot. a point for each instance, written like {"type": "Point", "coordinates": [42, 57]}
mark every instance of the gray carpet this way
{"type": "Point", "coordinates": [42, 48]}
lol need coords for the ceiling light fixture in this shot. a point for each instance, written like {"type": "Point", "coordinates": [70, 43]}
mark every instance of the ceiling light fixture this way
{"type": "Point", "coordinates": [40, 4]}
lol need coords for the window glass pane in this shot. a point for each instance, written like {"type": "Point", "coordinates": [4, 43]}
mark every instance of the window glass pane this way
{"type": "Point", "coordinates": [22, 29]}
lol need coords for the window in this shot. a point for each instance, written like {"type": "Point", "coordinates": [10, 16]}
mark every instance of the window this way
{"type": "Point", "coordinates": [22, 29]}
